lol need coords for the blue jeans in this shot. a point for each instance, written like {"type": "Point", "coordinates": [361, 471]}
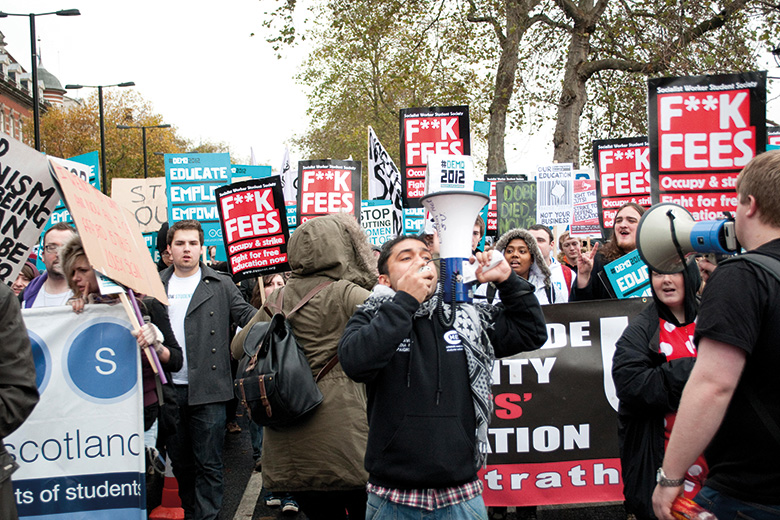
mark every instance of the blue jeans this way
{"type": "Point", "coordinates": [726, 508]}
{"type": "Point", "coordinates": [196, 455]}
{"type": "Point", "coordinates": [380, 509]}
{"type": "Point", "coordinates": [256, 434]}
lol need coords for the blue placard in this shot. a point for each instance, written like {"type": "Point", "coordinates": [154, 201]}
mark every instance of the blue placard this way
{"type": "Point", "coordinates": [191, 180]}
{"type": "Point", "coordinates": [292, 217]}
{"type": "Point", "coordinates": [414, 221]}
{"type": "Point", "coordinates": [483, 187]}
{"type": "Point", "coordinates": [249, 171]}
{"type": "Point", "coordinates": [629, 276]}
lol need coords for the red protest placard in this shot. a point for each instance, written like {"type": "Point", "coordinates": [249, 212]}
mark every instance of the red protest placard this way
{"type": "Point", "coordinates": [426, 131]}
{"type": "Point", "coordinates": [254, 227]}
{"type": "Point", "coordinates": [623, 169]}
{"type": "Point", "coordinates": [703, 131]}
{"type": "Point", "coordinates": [327, 186]}
{"type": "Point", "coordinates": [110, 234]}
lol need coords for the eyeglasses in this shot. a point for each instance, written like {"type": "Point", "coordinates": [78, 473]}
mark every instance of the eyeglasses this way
{"type": "Point", "coordinates": [52, 248]}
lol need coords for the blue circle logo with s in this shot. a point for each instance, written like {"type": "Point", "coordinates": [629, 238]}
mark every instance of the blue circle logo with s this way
{"type": "Point", "coordinates": [101, 361]}
{"type": "Point", "coordinates": [42, 359]}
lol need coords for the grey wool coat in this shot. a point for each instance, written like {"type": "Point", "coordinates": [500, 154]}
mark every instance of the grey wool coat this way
{"type": "Point", "coordinates": [207, 328]}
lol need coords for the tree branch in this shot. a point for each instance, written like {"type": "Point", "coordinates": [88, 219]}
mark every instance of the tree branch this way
{"type": "Point", "coordinates": [472, 16]}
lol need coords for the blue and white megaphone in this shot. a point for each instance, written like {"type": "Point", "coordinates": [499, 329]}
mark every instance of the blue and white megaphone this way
{"type": "Point", "coordinates": [454, 207]}
{"type": "Point", "coordinates": [667, 232]}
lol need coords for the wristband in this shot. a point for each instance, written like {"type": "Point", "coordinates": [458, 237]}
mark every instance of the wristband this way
{"type": "Point", "coordinates": [664, 481]}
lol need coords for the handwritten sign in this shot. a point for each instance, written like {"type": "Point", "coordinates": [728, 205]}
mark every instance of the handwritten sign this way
{"type": "Point", "coordinates": [516, 205]}
{"type": "Point", "coordinates": [28, 199]}
{"type": "Point", "coordinates": [703, 131]}
{"type": "Point", "coordinates": [145, 198]}
{"type": "Point", "coordinates": [491, 222]}
{"type": "Point", "coordinates": [254, 227]}
{"type": "Point", "coordinates": [328, 186]}
{"type": "Point", "coordinates": [111, 238]}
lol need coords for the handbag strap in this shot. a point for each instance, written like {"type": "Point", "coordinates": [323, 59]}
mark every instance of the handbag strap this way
{"type": "Point", "coordinates": [327, 368]}
{"type": "Point", "coordinates": [280, 302]}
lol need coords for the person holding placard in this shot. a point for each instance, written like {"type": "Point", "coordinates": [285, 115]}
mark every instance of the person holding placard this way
{"type": "Point", "coordinates": [51, 288]}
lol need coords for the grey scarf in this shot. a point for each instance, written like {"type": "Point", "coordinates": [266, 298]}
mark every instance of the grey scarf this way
{"type": "Point", "coordinates": [472, 323]}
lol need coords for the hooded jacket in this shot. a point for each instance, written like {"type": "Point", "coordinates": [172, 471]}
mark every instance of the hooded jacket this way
{"type": "Point", "coordinates": [648, 387]}
{"type": "Point", "coordinates": [325, 451]}
{"type": "Point", "coordinates": [539, 274]}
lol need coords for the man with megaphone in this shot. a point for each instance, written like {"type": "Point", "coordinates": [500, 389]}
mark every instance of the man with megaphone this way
{"type": "Point", "coordinates": [731, 403]}
{"type": "Point", "coordinates": [428, 383]}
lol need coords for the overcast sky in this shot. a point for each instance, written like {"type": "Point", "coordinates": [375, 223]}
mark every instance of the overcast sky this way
{"type": "Point", "coordinates": [194, 60]}
{"type": "Point", "coordinates": [199, 66]}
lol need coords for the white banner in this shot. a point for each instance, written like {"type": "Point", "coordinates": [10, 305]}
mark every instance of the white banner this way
{"type": "Point", "coordinates": [384, 179]}
{"type": "Point", "coordinates": [289, 179]}
{"type": "Point", "coordinates": [81, 451]}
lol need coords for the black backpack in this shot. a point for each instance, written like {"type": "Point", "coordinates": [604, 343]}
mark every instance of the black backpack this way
{"type": "Point", "coordinates": [274, 380]}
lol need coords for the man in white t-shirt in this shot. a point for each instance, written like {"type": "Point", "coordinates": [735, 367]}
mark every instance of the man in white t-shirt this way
{"type": "Point", "coordinates": [561, 276]}
{"type": "Point", "coordinates": [202, 304]}
{"type": "Point", "coordinates": [51, 288]}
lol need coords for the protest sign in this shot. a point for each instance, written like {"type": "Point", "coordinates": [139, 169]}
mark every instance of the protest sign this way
{"type": "Point", "coordinates": [623, 168]}
{"type": "Point", "coordinates": [28, 198]}
{"type": "Point", "coordinates": [384, 179]}
{"type": "Point", "coordinates": [425, 131]}
{"type": "Point", "coordinates": [81, 451]}
{"type": "Point", "coordinates": [292, 217]}
{"type": "Point", "coordinates": [553, 435]}
{"type": "Point", "coordinates": [145, 198]}
{"type": "Point", "coordinates": [414, 221]}
{"type": "Point", "coordinates": [254, 227]}
{"type": "Point", "coordinates": [516, 205]}
{"type": "Point", "coordinates": [629, 276]}
{"type": "Point", "coordinates": [376, 219]}
{"type": "Point", "coordinates": [703, 131]}
{"type": "Point", "coordinates": [585, 216]}
{"type": "Point", "coordinates": [554, 190]}
{"type": "Point", "coordinates": [244, 172]}
{"type": "Point", "coordinates": [191, 180]}
{"type": "Point", "coordinates": [111, 238]}
{"type": "Point", "coordinates": [328, 186]}
{"type": "Point", "coordinates": [773, 135]}
{"type": "Point", "coordinates": [491, 223]}
{"type": "Point", "coordinates": [289, 177]}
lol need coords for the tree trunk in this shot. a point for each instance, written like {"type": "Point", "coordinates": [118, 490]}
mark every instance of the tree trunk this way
{"type": "Point", "coordinates": [516, 25]}
{"type": "Point", "coordinates": [574, 95]}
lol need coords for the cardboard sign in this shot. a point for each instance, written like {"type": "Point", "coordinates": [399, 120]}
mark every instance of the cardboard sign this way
{"type": "Point", "coordinates": [384, 179]}
{"type": "Point", "coordinates": [111, 238]}
{"type": "Point", "coordinates": [572, 455]}
{"type": "Point", "coordinates": [81, 450]}
{"type": "Point", "coordinates": [426, 131]}
{"type": "Point", "coordinates": [28, 199]}
{"type": "Point", "coordinates": [254, 227]}
{"type": "Point", "coordinates": [585, 219]}
{"type": "Point", "coordinates": [376, 219]}
{"type": "Point", "coordinates": [328, 186]}
{"type": "Point", "coordinates": [191, 180]}
{"type": "Point", "coordinates": [629, 276]}
{"type": "Point", "coordinates": [491, 222]}
{"type": "Point", "coordinates": [516, 205]}
{"type": "Point", "coordinates": [623, 168]}
{"type": "Point", "coordinates": [145, 198]}
{"type": "Point", "coordinates": [554, 191]}
{"type": "Point", "coordinates": [703, 131]}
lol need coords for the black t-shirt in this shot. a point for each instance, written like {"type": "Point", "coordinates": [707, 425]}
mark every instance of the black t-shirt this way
{"type": "Point", "coordinates": [741, 307]}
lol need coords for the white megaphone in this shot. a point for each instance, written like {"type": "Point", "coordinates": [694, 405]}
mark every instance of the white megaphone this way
{"type": "Point", "coordinates": [454, 214]}
{"type": "Point", "coordinates": [667, 232]}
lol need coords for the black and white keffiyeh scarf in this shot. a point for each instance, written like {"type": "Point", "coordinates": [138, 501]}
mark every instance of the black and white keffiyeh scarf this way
{"type": "Point", "coordinates": [472, 323]}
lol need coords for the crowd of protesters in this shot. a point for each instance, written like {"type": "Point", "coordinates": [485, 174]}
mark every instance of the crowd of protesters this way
{"type": "Point", "coordinates": [402, 429]}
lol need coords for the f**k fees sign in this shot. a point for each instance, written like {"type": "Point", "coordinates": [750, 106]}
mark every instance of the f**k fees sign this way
{"type": "Point", "coordinates": [328, 186]}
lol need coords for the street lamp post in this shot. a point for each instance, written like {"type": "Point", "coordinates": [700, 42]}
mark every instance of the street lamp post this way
{"type": "Point", "coordinates": [103, 174]}
{"type": "Point", "coordinates": [143, 138]}
{"type": "Point", "coordinates": [34, 46]}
